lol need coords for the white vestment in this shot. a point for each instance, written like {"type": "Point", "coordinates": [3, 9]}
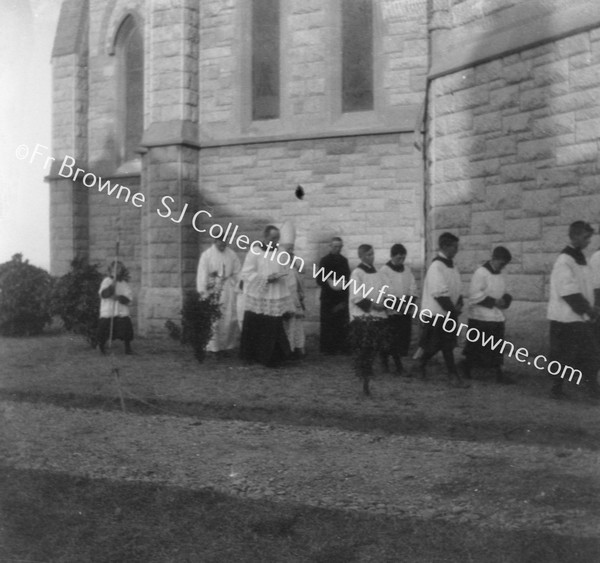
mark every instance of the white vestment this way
{"type": "Point", "coordinates": [219, 272]}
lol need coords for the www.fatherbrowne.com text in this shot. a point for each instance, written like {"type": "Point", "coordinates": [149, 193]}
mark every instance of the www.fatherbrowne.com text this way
{"type": "Point", "coordinates": [406, 306]}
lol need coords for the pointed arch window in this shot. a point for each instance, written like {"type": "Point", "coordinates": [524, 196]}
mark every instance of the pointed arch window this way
{"type": "Point", "coordinates": [129, 50]}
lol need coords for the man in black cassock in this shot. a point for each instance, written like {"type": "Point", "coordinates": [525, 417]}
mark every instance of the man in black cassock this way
{"type": "Point", "coordinates": [334, 301]}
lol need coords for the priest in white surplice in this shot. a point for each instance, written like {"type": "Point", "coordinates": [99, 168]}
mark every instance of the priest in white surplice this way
{"type": "Point", "coordinates": [218, 271]}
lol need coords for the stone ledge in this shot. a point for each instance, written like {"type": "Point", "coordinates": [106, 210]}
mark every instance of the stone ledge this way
{"type": "Point", "coordinates": [489, 44]}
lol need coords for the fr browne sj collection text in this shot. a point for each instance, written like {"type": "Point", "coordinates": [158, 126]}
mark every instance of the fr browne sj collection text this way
{"type": "Point", "coordinates": [69, 171]}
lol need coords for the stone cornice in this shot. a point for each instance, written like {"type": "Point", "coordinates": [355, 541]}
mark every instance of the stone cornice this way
{"type": "Point", "coordinates": [450, 54]}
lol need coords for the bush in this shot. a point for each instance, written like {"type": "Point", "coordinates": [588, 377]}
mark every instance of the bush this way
{"type": "Point", "coordinates": [24, 298]}
{"type": "Point", "coordinates": [197, 319]}
{"type": "Point", "coordinates": [75, 299]}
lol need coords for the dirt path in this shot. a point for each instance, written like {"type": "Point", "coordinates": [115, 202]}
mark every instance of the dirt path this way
{"type": "Point", "coordinates": [488, 484]}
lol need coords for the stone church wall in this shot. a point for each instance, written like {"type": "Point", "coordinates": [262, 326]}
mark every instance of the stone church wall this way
{"type": "Point", "coordinates": [365, 189]}
{"type": "Point", "coordinates": [514, 160]}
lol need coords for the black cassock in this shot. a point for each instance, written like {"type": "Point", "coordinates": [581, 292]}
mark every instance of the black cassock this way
{"type": "Point", "coordinates": [334, 306]}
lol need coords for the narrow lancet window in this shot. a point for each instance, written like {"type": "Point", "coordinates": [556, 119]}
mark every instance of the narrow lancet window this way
{"type": "Point", "coordinates": [357, 55]}
{"type": "Point", "coordinates": [265, 59]}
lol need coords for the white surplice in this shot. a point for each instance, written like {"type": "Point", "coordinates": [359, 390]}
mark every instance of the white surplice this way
{"type": "Point", "coordinates": [219, 272]}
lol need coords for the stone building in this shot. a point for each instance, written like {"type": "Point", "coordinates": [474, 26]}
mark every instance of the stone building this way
{"type": "Point", "coordinates": [399, 118]}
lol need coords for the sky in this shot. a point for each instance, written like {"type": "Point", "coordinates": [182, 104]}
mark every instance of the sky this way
{"type": "Point", "coordinates": [27, 30]}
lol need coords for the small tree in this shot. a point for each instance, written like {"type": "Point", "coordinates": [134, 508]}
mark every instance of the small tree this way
{"type": "Point", "coordinates": [24, 298]}
{"type": "Point", "coordinates": [75, 299]}
{"type": "Point", "coordinates": [197, 320]}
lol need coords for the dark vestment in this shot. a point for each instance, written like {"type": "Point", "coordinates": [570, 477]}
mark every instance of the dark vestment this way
{"type": "Point", "coordinates": [399, 327]}
{"type": "Point", "coordinates": [400, 331]}
{"type": "Point", "coordinates": [264, 340]}
{"type": "Point", "coordinates": [575, 345]}
{"type": "Point", "coordinates": [484, 356]}
{"type": "Point", "coordinates": [122, 329]}
{"type": "Point", "coordinates": [334, 306]}
{"type": "Point", "coordinates": [435, 339]}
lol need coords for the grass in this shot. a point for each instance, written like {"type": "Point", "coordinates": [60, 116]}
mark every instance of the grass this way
{"type": "Point", "coordinates": [52, 517]}
{"type": "Point", "coordinates": [322, 391]}
{"type": "Point", "coordinates": [58, 518]}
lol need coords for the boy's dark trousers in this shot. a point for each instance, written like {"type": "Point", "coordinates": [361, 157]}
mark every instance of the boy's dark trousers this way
{"type": "Point", "coordinates": [364, 365]}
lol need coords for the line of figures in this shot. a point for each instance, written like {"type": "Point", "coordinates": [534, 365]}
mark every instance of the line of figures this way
{"type": "Point", "coordinates": [359, 312]}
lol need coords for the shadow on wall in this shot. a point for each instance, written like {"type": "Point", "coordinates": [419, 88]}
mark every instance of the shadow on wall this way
{"type": "Point", "coordinates": [511, 151]}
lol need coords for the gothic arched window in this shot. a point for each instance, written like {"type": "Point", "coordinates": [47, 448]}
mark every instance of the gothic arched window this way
{"type": "Point", "coordinates": [129, 50]}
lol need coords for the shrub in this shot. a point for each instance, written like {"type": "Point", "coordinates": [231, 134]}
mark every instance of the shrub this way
{"type": "Point", "coordinates": [197, 319]}
{"type": "Point", "coordinates": [24, 298]}
{"type": "Point", "coordinates": [75, 299]}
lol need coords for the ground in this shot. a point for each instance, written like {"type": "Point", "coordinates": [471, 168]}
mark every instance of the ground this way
{"type": "Point", "coordinates": [224, 462]}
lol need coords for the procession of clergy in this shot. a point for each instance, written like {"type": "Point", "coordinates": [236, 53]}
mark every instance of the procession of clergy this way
{"type": "Point", "coordinates": [372, 314]}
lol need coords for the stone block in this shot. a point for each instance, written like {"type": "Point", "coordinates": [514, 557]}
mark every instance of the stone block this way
{"type": "Point", "coordinates": [585, 186]}
{"type": "Point", "coordinates": [444, 105]}
{"type": "Point", "coordinates": [471, 98]}
{"type": "Point", "coordinates": [585, 208]}
{"type": "Point", "coordinates": [573, 45]}
{"type": "Point", "coordinates": [503, 196]}
{"type": "Point", "coordinates": [585, 77]}
{"type": "Point", "coordinates": [487, 122]}
{"type": "Point", "coordinates": [518, 172]}
{"type": "Point", "coordinates": [483, 168]}
{"type": "Point", "coordinates": [452, 193]}
{"type": "Point", "coordinates": [516, 123]}
{"type": "Point", "coordinates": [517, 72]}
{"type": "Point", "coordinates": [453, 146]}
{"type": "Point", "coordinates": [574, 101]}
{"type": "Point", "coordinates": [451, 217]}
{"type": "Point", "coordinates": [526, 287]}
{"type": "Point", "coordinates": [553, 238]}
{"type": "Point", "coordinates": [487, 72]}
{"type": "Point", "coordinates": [487, 222]}
{"type": "Point", "coordinates": [459, 122]}
{"type": "Point", "coordinates": [572, 154]}
{"type": "Point", "coordinates": [554, 125]}
{"type": "Point", "coordinates": [534, 99]}
{"type": "Point", "coordinates": [538, 263]}
{"type": "Point", "coordinates": [522, 229]}
{"type": "Point", "coordinates": [501, 147]}
{"type": "Point", "coordinates": [551, 73]}
{"type": "Point", "coordinates": [542, 202]}
{"type": "Point", "coordinates": [587, 130]}
{"type": "Point", "coordinates": [557, 177]}
{"type": "Point", "coordinates": [535, 150]}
